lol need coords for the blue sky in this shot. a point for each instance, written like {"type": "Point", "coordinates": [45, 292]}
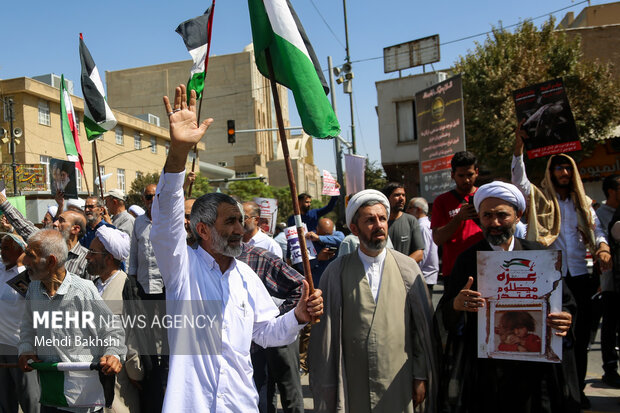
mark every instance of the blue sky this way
{"type": "Point", "coordinates": [40, 37]}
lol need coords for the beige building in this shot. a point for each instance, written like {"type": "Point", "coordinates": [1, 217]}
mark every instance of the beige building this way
{"type": "Point", "coordinates": [234, 90]}
{"type": "Point", "coordinates": [307, 175]}
{"type": "Point", "coordinates": [134, 147]}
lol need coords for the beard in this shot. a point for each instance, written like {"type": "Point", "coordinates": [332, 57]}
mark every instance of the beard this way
{"type": "Point", "coordinates": [66, 233]}
{"type": "Point", "coordinates": [498, 239]}
{"type": "Point", "coordinates": [373, 245]}
{"type": "Point", "coordinates": [220, 244]}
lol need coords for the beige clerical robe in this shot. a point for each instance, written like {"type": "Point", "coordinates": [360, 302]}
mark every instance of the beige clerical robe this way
{"type": "Point", "coordinates": [363, 357]}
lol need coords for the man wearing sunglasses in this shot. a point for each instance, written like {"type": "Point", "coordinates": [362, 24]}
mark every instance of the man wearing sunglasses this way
{"type": "Point", "coordinates": [560, 216]}
{"type": "Point", "coordinates": [94, 210]}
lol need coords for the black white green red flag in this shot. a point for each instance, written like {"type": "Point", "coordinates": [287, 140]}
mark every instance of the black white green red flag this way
{"type": "Point", "coordinates": [70, 132]}
{"type": "Point", "coordinates": [276, 27]}
{"type": "Point", "coordinates": [98, 117]}
{"type": "Point", "coordinates": [196, 34]}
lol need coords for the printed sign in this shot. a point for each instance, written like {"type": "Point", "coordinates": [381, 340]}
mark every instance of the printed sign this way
{"type": "Point", "coordinates": [441, 133]}
{"type": "Point", "coordinates": [268, 214]}
{"type": "Point", "coordinates": [521, 289]}
{"type": "Point", "coordinates": [30, 177]}
{"type": "Point", "coordinates": [329, 185]}
{"type": "Point", "coordinates": [292, 240]}
{"type": "Point", "coordinates": [547, 119]}
{"type": "Point", "coordinates": [62, 178]}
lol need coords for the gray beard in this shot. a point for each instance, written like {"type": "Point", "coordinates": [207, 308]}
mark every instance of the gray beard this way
{"type": "Point", "coordinates": [220, 245]}
{"type": "Point", "coordinates": [501, 238]}
{"type": "Point", "coordinates": [376, 246]}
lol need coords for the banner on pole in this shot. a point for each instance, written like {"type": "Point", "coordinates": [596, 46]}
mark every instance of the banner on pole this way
{"type": "Point", "coordinates": [292, 240]}
{"type": "Point", "coordinates": [329, 185]}
{"type": "Point", "coordinates": [268, 214]}
{"type": "Point", "coordinates": [355, 166]}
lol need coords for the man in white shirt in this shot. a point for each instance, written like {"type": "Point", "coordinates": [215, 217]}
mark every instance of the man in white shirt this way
{"type": "Point", "coordinates": [418, 207]}
{"type": "Point", "coordinates": [253, 235]}
{"type": "Point", "coordinates": [561, 217]}
{"type": "Point", "coordinates": [218, 381]}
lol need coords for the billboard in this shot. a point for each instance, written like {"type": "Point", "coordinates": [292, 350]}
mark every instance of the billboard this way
{"type": "Point", "coordinates": [441, 133]}
{"type": "Point", "coordinates": [411, 54]}
{"type": "Point", "coordinates": [30, 177]}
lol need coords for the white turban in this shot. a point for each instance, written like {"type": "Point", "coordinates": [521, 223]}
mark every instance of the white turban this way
{"type": "Point", "coordinates": [502, 190]}
{"type": "Point", "coordinates": [52, 210]}
{"type": "Point", "coordinates": [361, 198]}
{"type": "Point", "coordinates": [76, 202]}
{"type": "Point", "coordinates": [115, 242]}
{"type": "Point", "coordinates": [136, 210]}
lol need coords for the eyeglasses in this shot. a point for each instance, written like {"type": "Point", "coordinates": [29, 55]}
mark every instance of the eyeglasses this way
{"type": "Point", "coordinates": [90, 206]}
{"type": "Point", "coordinates": [149, 197]}
{"type": "Point", "coordinates": [97, 252]}
{"type": "Point", "coordinates": [560, 168]}
{"type": "Point", "coordinates": [251, 216]}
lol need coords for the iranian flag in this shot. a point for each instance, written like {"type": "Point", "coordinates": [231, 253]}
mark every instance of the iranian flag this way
{"type": "Point", "coordinates": [276, 27]}
{"type": "Point", "coordinates": [98, 117]}
{"type": "Point", "coordinates": [70, 136]}
{"type": "Point", "coordinates": [196, 34]}
{"type": "Point", "coordinates": [69, 384]}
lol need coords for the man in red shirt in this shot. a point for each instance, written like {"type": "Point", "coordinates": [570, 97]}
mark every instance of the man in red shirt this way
{"type": "Point", "coordinates": [452, 222]}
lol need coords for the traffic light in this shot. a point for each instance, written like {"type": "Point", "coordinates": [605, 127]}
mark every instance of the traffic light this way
{"type": "Point", "coordinates": [231, 131]}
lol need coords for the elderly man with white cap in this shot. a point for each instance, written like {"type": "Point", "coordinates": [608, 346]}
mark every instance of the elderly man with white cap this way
{"type": "Point", "coordinates": [108, 250]}
{"type": "Point", "coordinates": [374, 349]}
{"type": "Point", "coordinates": [471, 384]}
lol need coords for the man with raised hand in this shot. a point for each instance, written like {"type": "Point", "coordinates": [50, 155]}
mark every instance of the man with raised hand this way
{"type": "Point", "coordinates": [219, 381]}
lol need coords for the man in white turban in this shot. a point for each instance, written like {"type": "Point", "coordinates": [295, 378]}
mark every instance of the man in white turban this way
{"type": "Point", "coordinates": [107, 251]}
{"type": "Point", "coordinates": [374, 348]}
{"type": "Point", "coordinates": [467, 382]}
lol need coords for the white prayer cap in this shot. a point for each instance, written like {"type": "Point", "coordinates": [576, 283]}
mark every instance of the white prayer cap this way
{"type": "Point", "coordinates": [76, 202]}
{"type": "Point", "coordinates": [361, 198]}
{"type": "Point", "coordinates": [136, 209]}
{"type": "Point", "coordinates": [502, 190]}
{"type": "Point", "coordinates": [52, 210]}
{"type": "Point", "coordinates": [115, 242]}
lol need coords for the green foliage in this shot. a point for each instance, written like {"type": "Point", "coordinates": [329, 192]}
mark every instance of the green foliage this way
{"type": "Point", "coordinates": [201, 186]}
{"type": "Point", "coordinates": [246, 190]}
{"type": "Point", "coordinates": [374, 177]}
{"type": "Point", "coordinates": [509, 61]}
{"type": "Point", "coordinates": [134, 197]}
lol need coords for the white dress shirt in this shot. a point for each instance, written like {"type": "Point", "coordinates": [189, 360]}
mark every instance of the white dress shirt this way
{"type": "Point", "coordinates": [264, 241]}
{"type": "Point", "coordinates": [219, 382]}
{"type": "Point", "coordinates": [569, 240]}
{"type": "Point", "coordinates": [430, 261]}
{"type": "Point", "coordinates": [142, 262]}
{"type": "Point", "coordinates": [12, 306]}
{"type": "Point", "coordinates": [373, 268]}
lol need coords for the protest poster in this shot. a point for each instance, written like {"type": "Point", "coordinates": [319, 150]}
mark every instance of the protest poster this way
{"type": "Point", "coordinates": [329, 185]}
{"type": "Point", "coordinates": [268, 214]}
{"type": "Point", "coordinates": [30, 177]}
{"type": "Point", "coordinates": [292, 239]}
{"type": "Point", "coordinates": [547, 119]}
{"type": "Point", "coordinates": [521, 288]}
{"type": "Point", "coordinates": [441, 133]}
{"type": "Point", "coordinates": [62, 178]}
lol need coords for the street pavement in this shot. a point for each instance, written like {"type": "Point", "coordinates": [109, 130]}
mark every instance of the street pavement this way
{"type": "Point", "coordinates": [602, 397]}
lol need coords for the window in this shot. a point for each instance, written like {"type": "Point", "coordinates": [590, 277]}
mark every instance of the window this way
{"type": "Point", "coordinates": [6, 110]}
{"type": "Point", "coordinates": [167, 148]}
{"type": "Point", "coordinates": [102, 173]}
{"type": "Point", "coordinates": [137, 140]}
{"type": "Point", "coordinates": [45, 160]}
{"type": "Point", "coordinates": [405, 121]}
{"type": "Point", "coordinates": [120, 179]}
{"type": "Point", "coordinates": [44, 113]}
{"type": "Point", "coordinates": [153, 145]}
{"type": "Point", "coordinates": [78, 179]}
{"type": "Point", "coordinates": [243, 174]}
{"type": "Point", "coordinates": [120, 140]}
{"type": "Point", "coordinates": [222, 163]}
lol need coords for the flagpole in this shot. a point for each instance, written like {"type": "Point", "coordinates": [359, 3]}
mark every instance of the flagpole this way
{"type": "Point", "coordinates": [85, 180]}
{"type": "Point", "coordinates": [289, 173]}
{"type": "Point", "coordinates": [209, 26]}
{"type": "Point", "coordinates": [98, 168]}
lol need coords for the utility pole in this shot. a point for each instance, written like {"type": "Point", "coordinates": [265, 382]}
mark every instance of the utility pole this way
{"type": "Point", "coordinates": [12, 148]}
{"type": "Point", "coordinates": [350, 91]}
{"type": "Point", "coordinates": [337, 147]}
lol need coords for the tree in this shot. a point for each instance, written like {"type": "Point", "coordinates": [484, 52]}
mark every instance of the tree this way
{"type": "Point", "coordinates": [374, 176]}
{"type": "Point", "coordinates": [509, 61]}
{"type": "Point", "coordinates": [201, 186]}
{"type": "Point", "coordinates": [137, 188]}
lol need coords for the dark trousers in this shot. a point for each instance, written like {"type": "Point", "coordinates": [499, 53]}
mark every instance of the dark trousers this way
{"type": "Point", "coordinates": [609, 330]}
{"type": "Point", "coordinates": [582, 287]}
{"type": "Point", "coordinates": [17, 389]}
{"type": "Point", "coordinates": [278, 366]}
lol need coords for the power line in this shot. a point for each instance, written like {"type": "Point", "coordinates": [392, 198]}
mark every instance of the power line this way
{"type": "Point", "coordinates": [327, 24]}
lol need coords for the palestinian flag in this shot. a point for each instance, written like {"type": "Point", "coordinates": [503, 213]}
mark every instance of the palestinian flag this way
{"type": "Point", "coordinates": [69, 384]}
{"type": "Point", "coordinates": [518, 262]}
{"type": "Point", "coordinates": [70, 136]}
{"type": "Point", "coordinates": [276, 27]}
{"type": "Point", "coordinates": [98, 117]}
{"type": "Point", "coordinates": [196, 34]}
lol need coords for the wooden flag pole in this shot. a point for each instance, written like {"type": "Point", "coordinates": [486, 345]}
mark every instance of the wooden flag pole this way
{"type": "Point", "coordinates": [98, 168]}
{"type": "Point", "coordinates": [210, 26]}
{"type": "Point", "coordinates": [289, 173]}
{"type": "Point", "coordinates": [85, 181]}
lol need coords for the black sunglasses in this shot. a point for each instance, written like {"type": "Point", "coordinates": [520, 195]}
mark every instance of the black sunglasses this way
{"type": "Point", "coordinates": [149, 197]}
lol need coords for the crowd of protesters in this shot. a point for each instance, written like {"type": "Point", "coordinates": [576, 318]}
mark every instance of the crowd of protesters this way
{"type": "Point", "coordinates": [368, 335]}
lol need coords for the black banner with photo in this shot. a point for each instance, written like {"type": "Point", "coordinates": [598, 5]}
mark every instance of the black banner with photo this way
{"type": "Point", "coordinates": [63, 178]}
{"type": "Point", "coordinates": [547, 119]}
